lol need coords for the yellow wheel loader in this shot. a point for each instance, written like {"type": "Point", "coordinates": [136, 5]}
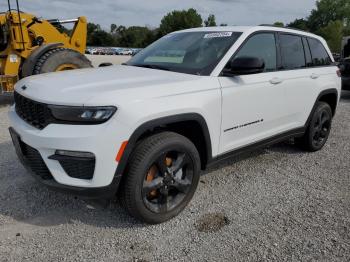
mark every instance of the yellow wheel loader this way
{"type": "Point", "coordinates": [30, 46]}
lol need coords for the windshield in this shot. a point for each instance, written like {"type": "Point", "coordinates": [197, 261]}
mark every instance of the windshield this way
{"type": "Point", "coordinates": [190, 52]}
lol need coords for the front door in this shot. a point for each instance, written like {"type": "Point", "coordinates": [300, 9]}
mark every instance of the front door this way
{"type": "Point", "coordinates": [253, 106]}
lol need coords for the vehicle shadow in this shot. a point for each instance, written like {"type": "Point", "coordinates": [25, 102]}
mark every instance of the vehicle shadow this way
{"type": "Point", "coordinates": [30, 203]}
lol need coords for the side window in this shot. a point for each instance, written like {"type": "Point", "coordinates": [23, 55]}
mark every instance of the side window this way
{"type": "Point", "coordinates": [292, 52]}
{"type": "Point", "coordinates": [261, 46]}
{"type": "Point", "coordinates": [319, 54]}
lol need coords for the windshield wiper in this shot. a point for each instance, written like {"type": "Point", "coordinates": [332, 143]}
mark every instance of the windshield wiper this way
{"type": "Point", "coordinates": [152, 66]}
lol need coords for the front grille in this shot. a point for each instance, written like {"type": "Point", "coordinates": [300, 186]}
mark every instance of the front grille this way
{"type": "Point", "coordinates": [34, 113]}
{"type": "Point", "coordinates": [78, 168]}
{"type": "Point", "coordinates": [35, 162]}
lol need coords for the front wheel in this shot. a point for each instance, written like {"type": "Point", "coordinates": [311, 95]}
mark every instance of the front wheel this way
{"type": "Point", "coordinates": [319, 128]}
{"type": "Point", "coordinates": [161, 178]}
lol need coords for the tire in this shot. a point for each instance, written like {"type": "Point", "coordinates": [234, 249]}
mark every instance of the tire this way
{"type": "Point", "coordinates": [319, 128]}
{"type": "Point", "coordinates": [60, 59]}
{"type": "Point", "coordinates": [135, 191]}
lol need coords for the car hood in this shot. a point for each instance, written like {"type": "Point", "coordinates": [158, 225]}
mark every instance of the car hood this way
{"type": "Point", "coordinates": [92, 86]}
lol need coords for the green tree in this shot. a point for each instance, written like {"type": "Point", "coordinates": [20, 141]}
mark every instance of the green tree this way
{"type": "Point", "coordinates": [346, 31]}
{"type": "Point", "coordinates": [211, 21]}
{"type": "Point", "coordinates": [91, 29]}
{"type": "Point", "coordinates": [330, 19]}
{"type": "Point", "coordinates": [120, 29]}
{"type": "Point", "coordinates": [333, 33]}
{"type": "Point", "coordinates": [136, 36]}
{"type": "Point", "coordinates": [178, 20]}
{"type": "Point", "coordinates": [98, 37]}
{"type": "Point", "coordinates": [113, 28]}
{"type": "Point", "coordinates": [301, 24]}
{"type": "Point", "coordinates": [101, 38]}
{"type": "Point", "coordinates": [279, 24]}
{"type": "Point", "coordinates": [327, 11]}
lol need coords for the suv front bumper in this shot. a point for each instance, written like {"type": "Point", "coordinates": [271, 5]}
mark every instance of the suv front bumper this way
{"type": "Point", "coordinates": [42, 145]}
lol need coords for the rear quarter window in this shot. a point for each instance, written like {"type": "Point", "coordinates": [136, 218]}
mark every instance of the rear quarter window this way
{"type": "Point", "coordinates": [320, 56]}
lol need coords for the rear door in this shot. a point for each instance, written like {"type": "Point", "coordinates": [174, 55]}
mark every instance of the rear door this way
{"type": "Point", "coordinates": [299, 81]}
{"type": "Point", "coordinates": [304, 79]}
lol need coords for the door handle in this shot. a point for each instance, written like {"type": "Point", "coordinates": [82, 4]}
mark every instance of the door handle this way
{"type": "Point", "coordinates": [276, 81]}
{"type": "Point", "coordinates": [315, 76]}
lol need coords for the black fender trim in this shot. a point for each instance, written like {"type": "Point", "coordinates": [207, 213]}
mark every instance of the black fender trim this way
{"type": "Point", "coordinates": [258, 145]}
{"type": "Point", "coordinates": [324, 92]}
{"type": "Point", "coordinates": [29, 63]}
{"type": "Point", "coordinates": [151, 125]}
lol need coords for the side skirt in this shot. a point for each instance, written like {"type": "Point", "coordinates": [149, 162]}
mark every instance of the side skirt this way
{"type": "Point", "coordinates": [258, 145]}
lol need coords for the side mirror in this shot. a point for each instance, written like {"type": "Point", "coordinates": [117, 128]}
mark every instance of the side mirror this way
{"type": "Point", "coordinates": [247, 66]}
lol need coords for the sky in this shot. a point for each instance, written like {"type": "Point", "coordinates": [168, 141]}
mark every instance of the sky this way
{"type": "Point", "coordinates": [150, 12]}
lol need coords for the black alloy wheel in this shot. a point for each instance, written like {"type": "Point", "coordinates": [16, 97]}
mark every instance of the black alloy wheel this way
{"type": "Point", "coordinates": [161, 178]}
{"type": "Point", "coordinates": [321, 128]}
{"type": "Point", "coordinates": [168, 181]}
{"type": "Point", "coordinates": [318, 129]}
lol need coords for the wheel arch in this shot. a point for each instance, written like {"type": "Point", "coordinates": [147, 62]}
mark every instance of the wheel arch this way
{"type": "Point", "coordinates": [330, 96]}
{"type": "Point", "coordinates": [171, 123]}
{"type": "Point", "coordinates": [29, 64]}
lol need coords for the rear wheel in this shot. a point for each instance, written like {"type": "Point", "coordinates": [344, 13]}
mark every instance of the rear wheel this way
{"type": "Point", "coordinates": [318, 130]}
{"type": "Point", "coordinates": [162, 177]}
{"type": "Point", "coordinates": [60, 59]}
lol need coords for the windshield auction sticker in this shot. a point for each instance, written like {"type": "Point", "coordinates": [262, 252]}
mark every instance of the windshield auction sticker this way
{"type": "Point", "coordinates": [218, 35]}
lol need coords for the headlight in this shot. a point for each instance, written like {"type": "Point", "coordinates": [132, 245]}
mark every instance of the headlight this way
{"type": "Point", "coordinates": [81, 115]}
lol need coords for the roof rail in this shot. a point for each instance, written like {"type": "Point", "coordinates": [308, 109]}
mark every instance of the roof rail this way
{"type": "Point", "coordinates": [270, 25]}
{"type": "Point", "coordinates": [286, 27]}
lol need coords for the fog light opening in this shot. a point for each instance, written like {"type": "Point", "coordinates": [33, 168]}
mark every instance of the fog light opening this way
{"type": "Point", "coordinates": [74, 154]}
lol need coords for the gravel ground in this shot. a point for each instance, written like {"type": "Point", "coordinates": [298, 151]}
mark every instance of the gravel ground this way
{"type": "Point", "coordinates": [277, 204]}
{"type": "Point", "coordinates": [5, 100]}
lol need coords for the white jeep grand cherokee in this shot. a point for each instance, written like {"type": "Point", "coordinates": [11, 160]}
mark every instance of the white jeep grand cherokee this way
{"type": "Point", "coordinates": [146, 129]}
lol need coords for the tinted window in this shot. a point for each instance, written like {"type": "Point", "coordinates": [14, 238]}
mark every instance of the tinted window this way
{"type": "Point", "coordinates": [292, 51]}
{"type": "Point", "coordinates": [319, 54]}
{"type": "Point", "coordinates": [261, 46]}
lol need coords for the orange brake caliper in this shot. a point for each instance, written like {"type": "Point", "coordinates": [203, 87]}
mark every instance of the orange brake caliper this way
{"type": "Point", "coordinates": [150, 176]}
{"type": "Point", "coordinates": [152, 173]}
